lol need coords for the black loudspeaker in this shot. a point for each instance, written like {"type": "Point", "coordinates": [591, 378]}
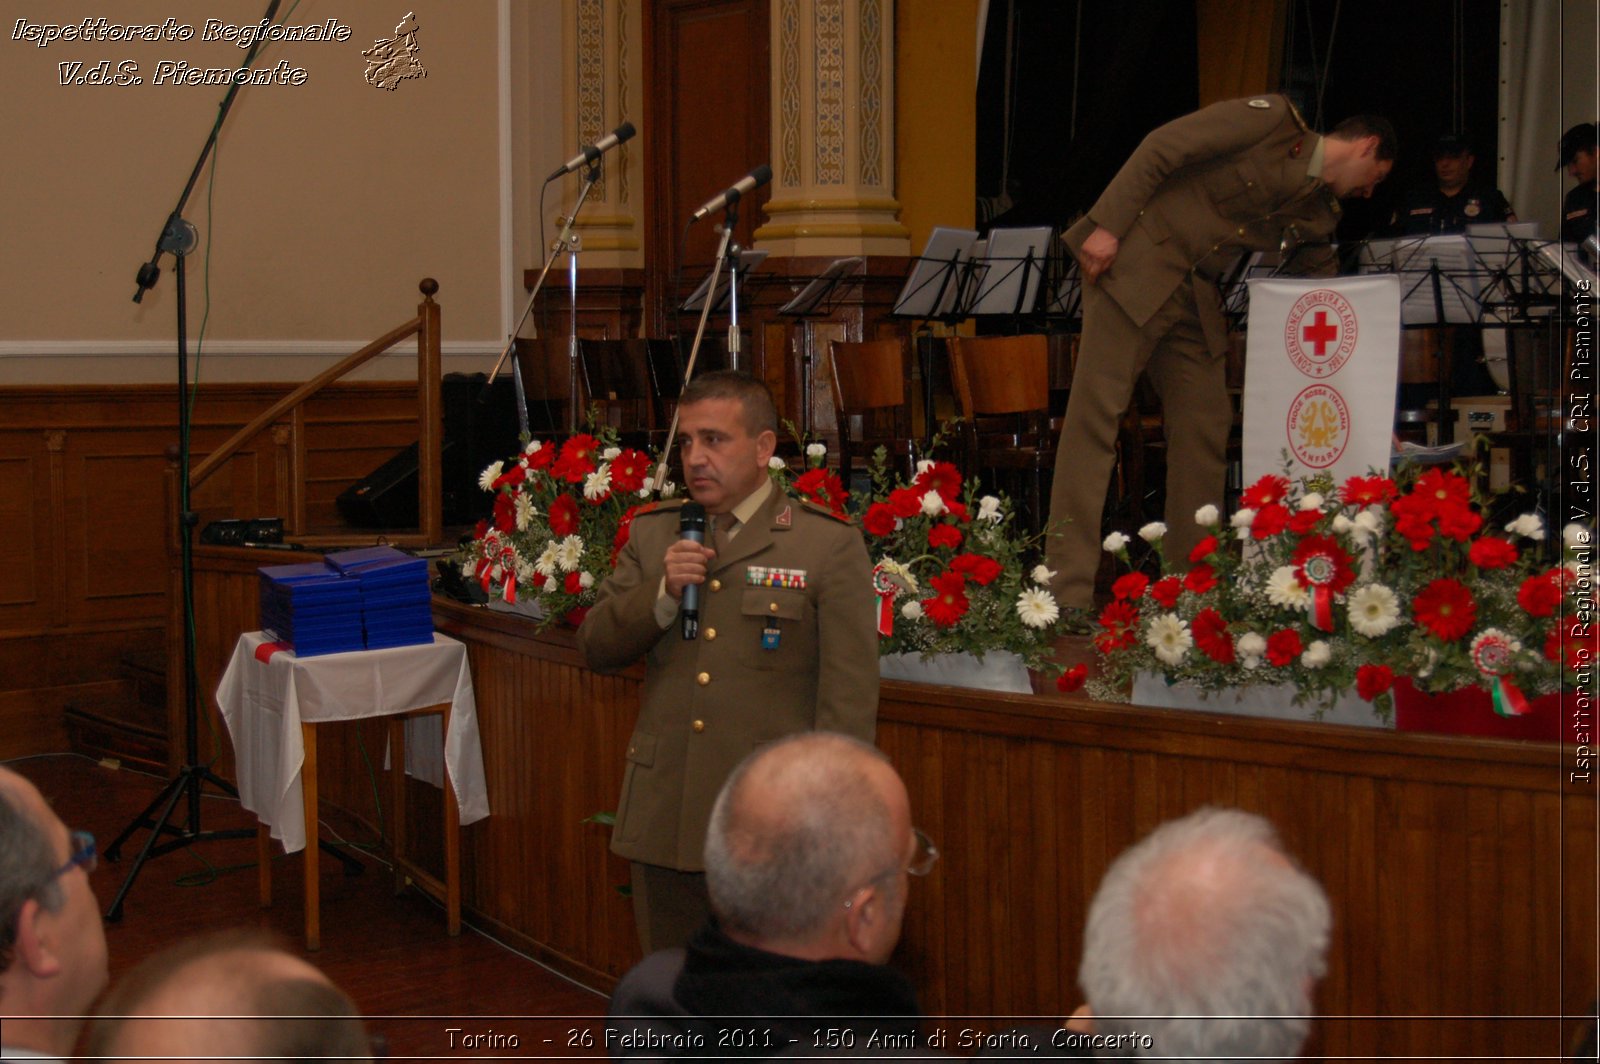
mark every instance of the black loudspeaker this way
{"type": "Point", "coordinates": [475, 434]}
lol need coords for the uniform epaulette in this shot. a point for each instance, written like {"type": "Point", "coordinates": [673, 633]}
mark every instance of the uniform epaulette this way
{"type": "Point", "coordinates": [817, 508]}
{"type": "Point", "coordinates": [1294, 112]}
{"type": "Point", "coordinates": [660, 506]}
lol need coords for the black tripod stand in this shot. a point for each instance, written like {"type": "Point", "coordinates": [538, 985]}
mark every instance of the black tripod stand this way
{"type": "Point", "coordinates": [178, 237]}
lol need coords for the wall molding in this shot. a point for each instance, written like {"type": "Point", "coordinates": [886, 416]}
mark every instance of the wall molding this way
{"type": "Point", "coordinates": [230, 348]}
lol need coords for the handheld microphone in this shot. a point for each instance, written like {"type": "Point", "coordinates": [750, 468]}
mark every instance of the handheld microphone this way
{"type": "Point", "coordinates": [691, 526]}
{"type": "Point", "coordinates": [591, 152]}
{"type": "Point", "coordinates": [746, 184]}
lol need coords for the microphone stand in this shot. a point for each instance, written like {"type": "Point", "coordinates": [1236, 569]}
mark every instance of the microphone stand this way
{"type": "Point", "coordinates": [179, 237]}
{"type": "Point", "coordinates": [730, 221]}
{"type": "Point", "coordinates": [565, 240]}
{"type": "Point", "coordinates": [735, 340]}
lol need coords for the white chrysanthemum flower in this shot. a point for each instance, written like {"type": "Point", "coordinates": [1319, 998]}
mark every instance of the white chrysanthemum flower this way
{"type": "Point", "coordinates": [1207, 515]}
{"type": "Point", "coordinates": [1041, 575]}
{"type": "Point", "coordinates": [1115, 542]}
{"type": "Point", "coordinates": [609, 453]}
{"type": "Point", "coordinates": [1370, 522]}
{"type": "Point", "coordinates": [989, 509]}
{"type": "Point", "coordinates": [900, 576]}
{"type": "Point", "coordinates": [776, 463]}
{"type": "Point", "coordinates": [1242, 518]}
{"type": "Point", "coordinates": [546, 562]}
{"type": "Point", "coordinates": [1153, 531]}
{"type": "Point", "coordinates": [1251, 646]}
{"type": "Point", "coordinates": [533, 447]}
{"type": "Point", "coordinates": [1343, 525]}
{"type": "Point", "coordinates": [1317, 654]}
{"type": "Point", "coordinates": [1430, 659]}
{"type": "Point", "coordinates": [933, 504]}
{"type": "Point", "coordinates": [569, 554]}
{"type": "Point", "coordinates": [1575, 535]}
{"type": "Point", "coordinates": [912, 610]}
{"type": "Point", "coordinates": [490, 474]}
{"type": "Point", "coordinates": [1285, 589]}
{"type": "Point", "coordinates": [816, 450]}
{"type": "Point", "coordinates": [1311, 501]}
{"type": "Point", "coordinates": [525, 570]}
{"type": "Point", "coordinates": [923, 465]}
{"type": "Point", "coordinates": [1037, 609]}
{"type": "Point", "coordinates": [1374, 609]}
{"type": "Point", "coordinates": [597, 485]}
{"type": "Point", "coordinates": [644, 492]}
{"type": "Point", "coordinates": [525, 511]}
{"type": "Point", "coordinates": [1169, 637]}
{"type": "Point", "coordinates": [586, 580]}
{"type": "Point", "coordinates": [1528, 525]}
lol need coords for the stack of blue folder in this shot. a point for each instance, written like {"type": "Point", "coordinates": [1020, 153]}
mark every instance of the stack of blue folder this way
{"type": "Point", "coordinates": [396, 602]}
{"type": "Point", "coordinates": [358, 599]}
{"type": "Point", "coordinates": [312, 608]}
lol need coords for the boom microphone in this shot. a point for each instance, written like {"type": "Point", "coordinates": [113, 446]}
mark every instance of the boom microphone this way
{"type": "Point", "coordinates": [746, 184]}
{"type": "Point", "coordinates": [591, 152]}
{"type": "Point", "coordinates": [691, 526]}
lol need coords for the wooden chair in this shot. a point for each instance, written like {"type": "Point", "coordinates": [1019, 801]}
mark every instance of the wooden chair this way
{"type": "Point", "coordinates": [872, 396]}
{"type": "Point", "coordinates": [1002, 386]}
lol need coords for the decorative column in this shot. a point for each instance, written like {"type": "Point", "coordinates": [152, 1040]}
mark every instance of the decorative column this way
{"type": "Point", "coordinates": [605, 89]}
{"type": "Point", "coordinates": [833, 131]}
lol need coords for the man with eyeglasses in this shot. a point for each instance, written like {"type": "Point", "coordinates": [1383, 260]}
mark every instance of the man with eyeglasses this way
{"type": "Point", "coordinates": [52, 942]}
{"type": "Point", "coordinates": [808, 860]}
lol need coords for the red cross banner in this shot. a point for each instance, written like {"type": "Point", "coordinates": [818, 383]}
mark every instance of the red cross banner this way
{"type": "Point", "coordinates": [1321, 365]}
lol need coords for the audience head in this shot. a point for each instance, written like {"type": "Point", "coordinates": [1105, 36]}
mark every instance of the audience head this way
{"type": "Point", "coordinates": [809, 849]}
{"type": "Point", "coordinates": [727, 431]}
{"type": "Point", "coordinates": [1357, 155]}
{"type": "Point", "coordinates": [1452, 162]}
{"type": "Point", "coordinates": [52, 941]}
{"type": "Point", "coordinates": [1578, 146]}
{"type": "Point", "coordinates": [233, 994]}
{"type": "Point", "coordinates": [1206, 937]}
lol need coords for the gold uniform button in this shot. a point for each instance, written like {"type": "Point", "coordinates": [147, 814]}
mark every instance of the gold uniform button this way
{"type": "Point", "coordinates": [1241, 231]}
{"type": "Point", "coordinates": [772, 607]}
{"type": "Point", "coordinates": [703, 679]}
{"type": "Point", "coordinates": [699, 726]}
{"type": "Point", "coordinates": [711, 633]}
{"type": "Point", "coordinates": [716, 585]}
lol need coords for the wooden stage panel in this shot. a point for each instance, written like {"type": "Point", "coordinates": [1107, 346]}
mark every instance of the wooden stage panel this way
{"type": "Point", "coordinates": [1461, 871]}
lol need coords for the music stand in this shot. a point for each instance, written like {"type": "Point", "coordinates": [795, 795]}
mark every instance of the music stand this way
{"type": "Point", "coordinates": [1010, 271]}
{"type": "Point", "coordinates": [934, 290]}
{"type": "Point", "coordinates": [749, 259]}
{"type": "Point", "coordinates": [839, 276]}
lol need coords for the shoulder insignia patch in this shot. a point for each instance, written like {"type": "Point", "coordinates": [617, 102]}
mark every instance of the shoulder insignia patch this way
{"type": "Point", "coordinates": [1260, 104]}
{"type": "Point", "coordinates": [785, 516]}
{"type": "Point", "coordinates": [660, 506]}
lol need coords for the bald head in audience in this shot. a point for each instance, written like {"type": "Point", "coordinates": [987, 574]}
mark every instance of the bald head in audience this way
{"type": "Point", "coordinates": [1209, 939]}
{"type": "Point", "coordinates": [800, 826]}
{"type": "Point", "coordinates": [52, 942]}
{"type": "Point", "coordinates": [229, 994]}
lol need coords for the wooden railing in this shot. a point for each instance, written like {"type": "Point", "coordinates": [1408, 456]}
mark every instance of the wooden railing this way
{"type": "Point", "coordinates": [425, 327]}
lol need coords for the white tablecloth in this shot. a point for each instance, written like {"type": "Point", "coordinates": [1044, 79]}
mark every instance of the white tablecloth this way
{"type": "Point", "coordinates": [264, 704]}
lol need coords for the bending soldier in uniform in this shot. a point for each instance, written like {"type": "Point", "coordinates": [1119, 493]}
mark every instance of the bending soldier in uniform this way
{"type": "Point", "coordinates": [1238, 176]}
{"type": "Point", "coordinates": [786, 642]}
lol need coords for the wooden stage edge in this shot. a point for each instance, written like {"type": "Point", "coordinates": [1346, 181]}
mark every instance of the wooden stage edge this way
{"type": "Point", "coordinates": [1461, 871]}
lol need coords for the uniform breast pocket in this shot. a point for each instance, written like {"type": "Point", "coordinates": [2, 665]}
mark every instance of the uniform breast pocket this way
{"type": "Point", "coordinates": [1236, 191]}
{"type": "Point", "coordinates": [782, 618]}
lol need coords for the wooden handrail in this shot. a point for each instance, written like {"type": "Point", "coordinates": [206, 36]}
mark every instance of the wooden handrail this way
{"type": "Point", "coordinates": [425, 326]}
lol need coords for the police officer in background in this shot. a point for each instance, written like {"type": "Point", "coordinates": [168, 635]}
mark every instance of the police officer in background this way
{"type": "Point", "coordinates": [1578, 212]}
{"type": "Point", "coordinates": [1455, 201]}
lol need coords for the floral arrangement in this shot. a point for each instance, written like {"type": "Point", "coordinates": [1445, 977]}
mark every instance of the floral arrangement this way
{"type": "Point", "coordinates": [562, 513]}
{"type": "Point", "coordinates": [1333, 589]}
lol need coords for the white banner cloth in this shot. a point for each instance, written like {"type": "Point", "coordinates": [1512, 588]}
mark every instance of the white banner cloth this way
{"type": "Point", "coordinates": [264, 704]}
{"type": "Point", "coordinates": [1322, 359]}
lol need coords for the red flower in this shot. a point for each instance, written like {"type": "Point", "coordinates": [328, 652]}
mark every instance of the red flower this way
{"type": "Point", "coordinates": [1130, 586]}
{"type": "Point", "coordinates": [1365, 491]}
{"type": "Point", "coordinates": [505, 512]}
{"type": "Point", "coordinates": [949, 603]}
{"type": "Point", "coordinates": [576, 460]}
{"type": "Point", "coordinates": [1416, 528]}
{"type": "Point", "coordinates": [629, 470]}
{"type": "Point", "coordinates": [1200, 579]}
{"type": "Point", "coordinates": [1459, 523]}
{"type": "Point", "coordinates": [957, 508]}
{"type": "Point", "coordinates": [1203, 549]}
{"type": "Point", "coordinates": [1269, 489]}
{"type": "Point", "coordinates": [513, 476]}
{"type": "Point", "coordinates": [1283, 646]}
{"type": "Point", "coordinates": [905, 502]}
{"type": "Point", "coordinates": [480, 530]}
{"type": "Point", "coordinates": [571, 584]}
{"type": "Point", "coordinates": [942, 477]}
{"type": "Point", "coordinates": [1211, 635]}
{"type": "Point", "coordinates": [1572, 643]}
{"type": "Point", "coordinates": [539, 580]}
{"type": "Point", "coordinates": [1269, 521]}
{"type": "Point", "coordinates": [879, 521]}
{"type": "Point", "coordinates": [1072, 679]}
{"type": "Point", "coordinates": [1320, 560]}
{"type": "Point", "coordinates": [1492, 552]}
{"type": "Point", "coordinates": [942, 535]}
{"type": "Point", "coordinates": [1119, 622]}
{"type": "Point", "coordinates": [1439, 489]}
{"type": "Point", "coordinates": [1446, 608]}
{"type": "Point", "coordinates": [980, 569]}
{"type": "Point", "coordinates": [1373, 680]}
{"type": "Point", "coordinates": [1540, 594]}
{"type": "Point", "coordinates": [564, 515]}
{"type": "Point", "coordinates": [1304, 521]}
{"type": "Point", "coordinates": [541, 458]}
{"type": "Point", "coordinates": [1166, 591]}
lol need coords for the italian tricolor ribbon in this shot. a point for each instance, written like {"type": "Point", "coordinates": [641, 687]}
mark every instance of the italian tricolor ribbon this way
{"type": "Point", "coordinates": [1492, 653]}
{"type": "Point", "coordinates": [1319, 571]}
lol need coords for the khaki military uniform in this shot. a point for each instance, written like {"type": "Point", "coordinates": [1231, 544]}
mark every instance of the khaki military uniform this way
{"type": "Point", "coordinates": [708, 702]}
{"type": "Point", "coordinates": [1232, 177]}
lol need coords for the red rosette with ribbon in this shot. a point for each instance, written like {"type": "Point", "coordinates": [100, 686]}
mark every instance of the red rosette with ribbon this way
{"type": "Point", "coordinates": [1493, 653]}
{"type": "Point", "coordinates": [883, 585]}
{"type": "Point", "coordinates": [1323, 569]}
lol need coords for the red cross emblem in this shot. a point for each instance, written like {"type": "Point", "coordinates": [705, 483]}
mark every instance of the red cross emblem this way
{"type": "Point", "coordinates": [1319, 335]}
